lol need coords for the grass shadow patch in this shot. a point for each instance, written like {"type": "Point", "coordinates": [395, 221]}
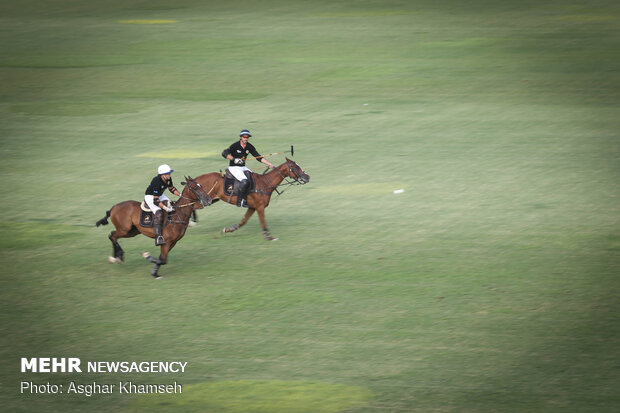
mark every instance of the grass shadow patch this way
{"type": "Point", "coordinates": [256, 396]}
{"type": "Point", "coordinates": [76, 108]}
{"type": "Point", "coordinates": [29, 235]}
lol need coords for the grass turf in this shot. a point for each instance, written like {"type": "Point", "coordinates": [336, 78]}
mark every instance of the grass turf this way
{"type": "Point", "coordinates": [490, 284]}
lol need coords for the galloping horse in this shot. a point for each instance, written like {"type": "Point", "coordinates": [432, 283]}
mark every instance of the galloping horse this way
{"type": "Point", "coordinates": [259, 197]}
{"type": "Point", "coordinates": [126, 219]}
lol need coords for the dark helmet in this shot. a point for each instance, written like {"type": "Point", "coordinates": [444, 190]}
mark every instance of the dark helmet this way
{"type": "Point", "coordinates": [245, 132]}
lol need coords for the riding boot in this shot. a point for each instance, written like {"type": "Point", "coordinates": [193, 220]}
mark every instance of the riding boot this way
{"type": "Point", "coordinates": [242, 198]}
{"type": "Point", "coordinates": [158, 223]}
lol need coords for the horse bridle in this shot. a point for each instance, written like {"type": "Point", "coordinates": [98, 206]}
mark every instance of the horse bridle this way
{"type": "Point", "coordinates": [190, 183]}
{"type": "Point", "coordinates": [295, 180]}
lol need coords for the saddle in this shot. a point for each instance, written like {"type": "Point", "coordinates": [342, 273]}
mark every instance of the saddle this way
{"type": "Point", "coordinates": [146, 216]}
{"type": "Point", "coordinates": [231, 185]}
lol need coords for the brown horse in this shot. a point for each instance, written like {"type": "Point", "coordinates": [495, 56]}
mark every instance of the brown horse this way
{"type": "Point", "coordinates": [126, 219]}
{"type": "Point", "coordinates": [259, 197]}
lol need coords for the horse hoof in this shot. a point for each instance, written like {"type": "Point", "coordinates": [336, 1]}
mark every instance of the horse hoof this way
{"type": "Point", "coordinates": [158, 277]}
{"type": "Point", "coordinates": [146, 254]}
{"type": "Point", "coordinates": [192, 224]}
{"type": "Point", "coordinates": [272, 239]}
{"type": "Point", "coordinates": [224, 230]}
{"type": "Point", "coordinates": [113, 260]}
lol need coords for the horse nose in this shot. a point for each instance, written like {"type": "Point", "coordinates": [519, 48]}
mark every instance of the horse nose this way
{"type": "Point", "coordinates": [305, 178]}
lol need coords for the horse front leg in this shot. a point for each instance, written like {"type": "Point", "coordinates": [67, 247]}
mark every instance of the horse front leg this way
{"type": "Point", "coordinates": [261, 216]}
{"type": "Point", "coordinates": [245, 219]}
{"type": "Point", "coordinates": [162, 260]}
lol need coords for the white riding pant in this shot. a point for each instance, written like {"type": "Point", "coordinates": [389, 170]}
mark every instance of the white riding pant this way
{"type": "Point", "coordinates": [238, 172]}
{"type": "Point", "coordinates": [149, 201]}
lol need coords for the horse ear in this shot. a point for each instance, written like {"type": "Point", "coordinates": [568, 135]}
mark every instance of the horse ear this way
{"type": "Point", "coordinates": [287, 159]}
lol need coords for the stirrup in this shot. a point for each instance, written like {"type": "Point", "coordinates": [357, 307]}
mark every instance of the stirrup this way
{"type": "Point", "coordinates": [160, 240]}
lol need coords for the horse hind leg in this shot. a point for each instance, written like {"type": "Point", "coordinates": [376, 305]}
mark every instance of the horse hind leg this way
{"type": "Point", "coordinates": [194, 221]}
{"type": "Point", "coordinates": [246, 217]}
{"type": "Point", "coordinates": [119, 254]}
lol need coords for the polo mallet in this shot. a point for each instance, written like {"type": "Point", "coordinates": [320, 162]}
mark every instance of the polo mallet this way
{"type": "Point", "coordinates": [292, 151]}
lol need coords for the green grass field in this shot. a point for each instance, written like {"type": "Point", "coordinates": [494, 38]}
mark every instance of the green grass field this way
{"type": "Point", "coordinates": [489, 285]}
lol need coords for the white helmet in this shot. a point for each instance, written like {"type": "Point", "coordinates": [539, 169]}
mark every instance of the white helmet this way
{"type": "Point", "coordinates": [164, 169]}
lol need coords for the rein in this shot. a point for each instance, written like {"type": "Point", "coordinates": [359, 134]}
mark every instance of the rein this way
{"type": "Point", "coordinates": [174, 218]}
{"type": "Point", "coordinates": [172, 221]}
{"type": "Point", "coordinates": [284, 182]}
{"type": "Point", "coordinates": [186, 205]}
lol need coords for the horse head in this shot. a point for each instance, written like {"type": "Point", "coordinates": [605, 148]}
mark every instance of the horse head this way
{"type": "Point", "coordinates": [197, 191]}
{"type": "Point", "coordinates": [295, 172]}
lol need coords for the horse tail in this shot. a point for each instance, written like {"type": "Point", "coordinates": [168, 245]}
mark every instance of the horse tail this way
{"type": "Point", "coordinates": [104, 220]}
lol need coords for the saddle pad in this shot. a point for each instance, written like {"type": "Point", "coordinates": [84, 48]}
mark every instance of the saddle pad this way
{"type": "Point", "coordinates": [146, 219]}
{"type": "Point", "coordinates": [231, 184]}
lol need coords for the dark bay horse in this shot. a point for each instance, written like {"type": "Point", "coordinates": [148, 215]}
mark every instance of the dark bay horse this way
{"type": "Point", "coordinates": [126, 219]}
{"type": "Point", "coordinates": [258, 198]}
